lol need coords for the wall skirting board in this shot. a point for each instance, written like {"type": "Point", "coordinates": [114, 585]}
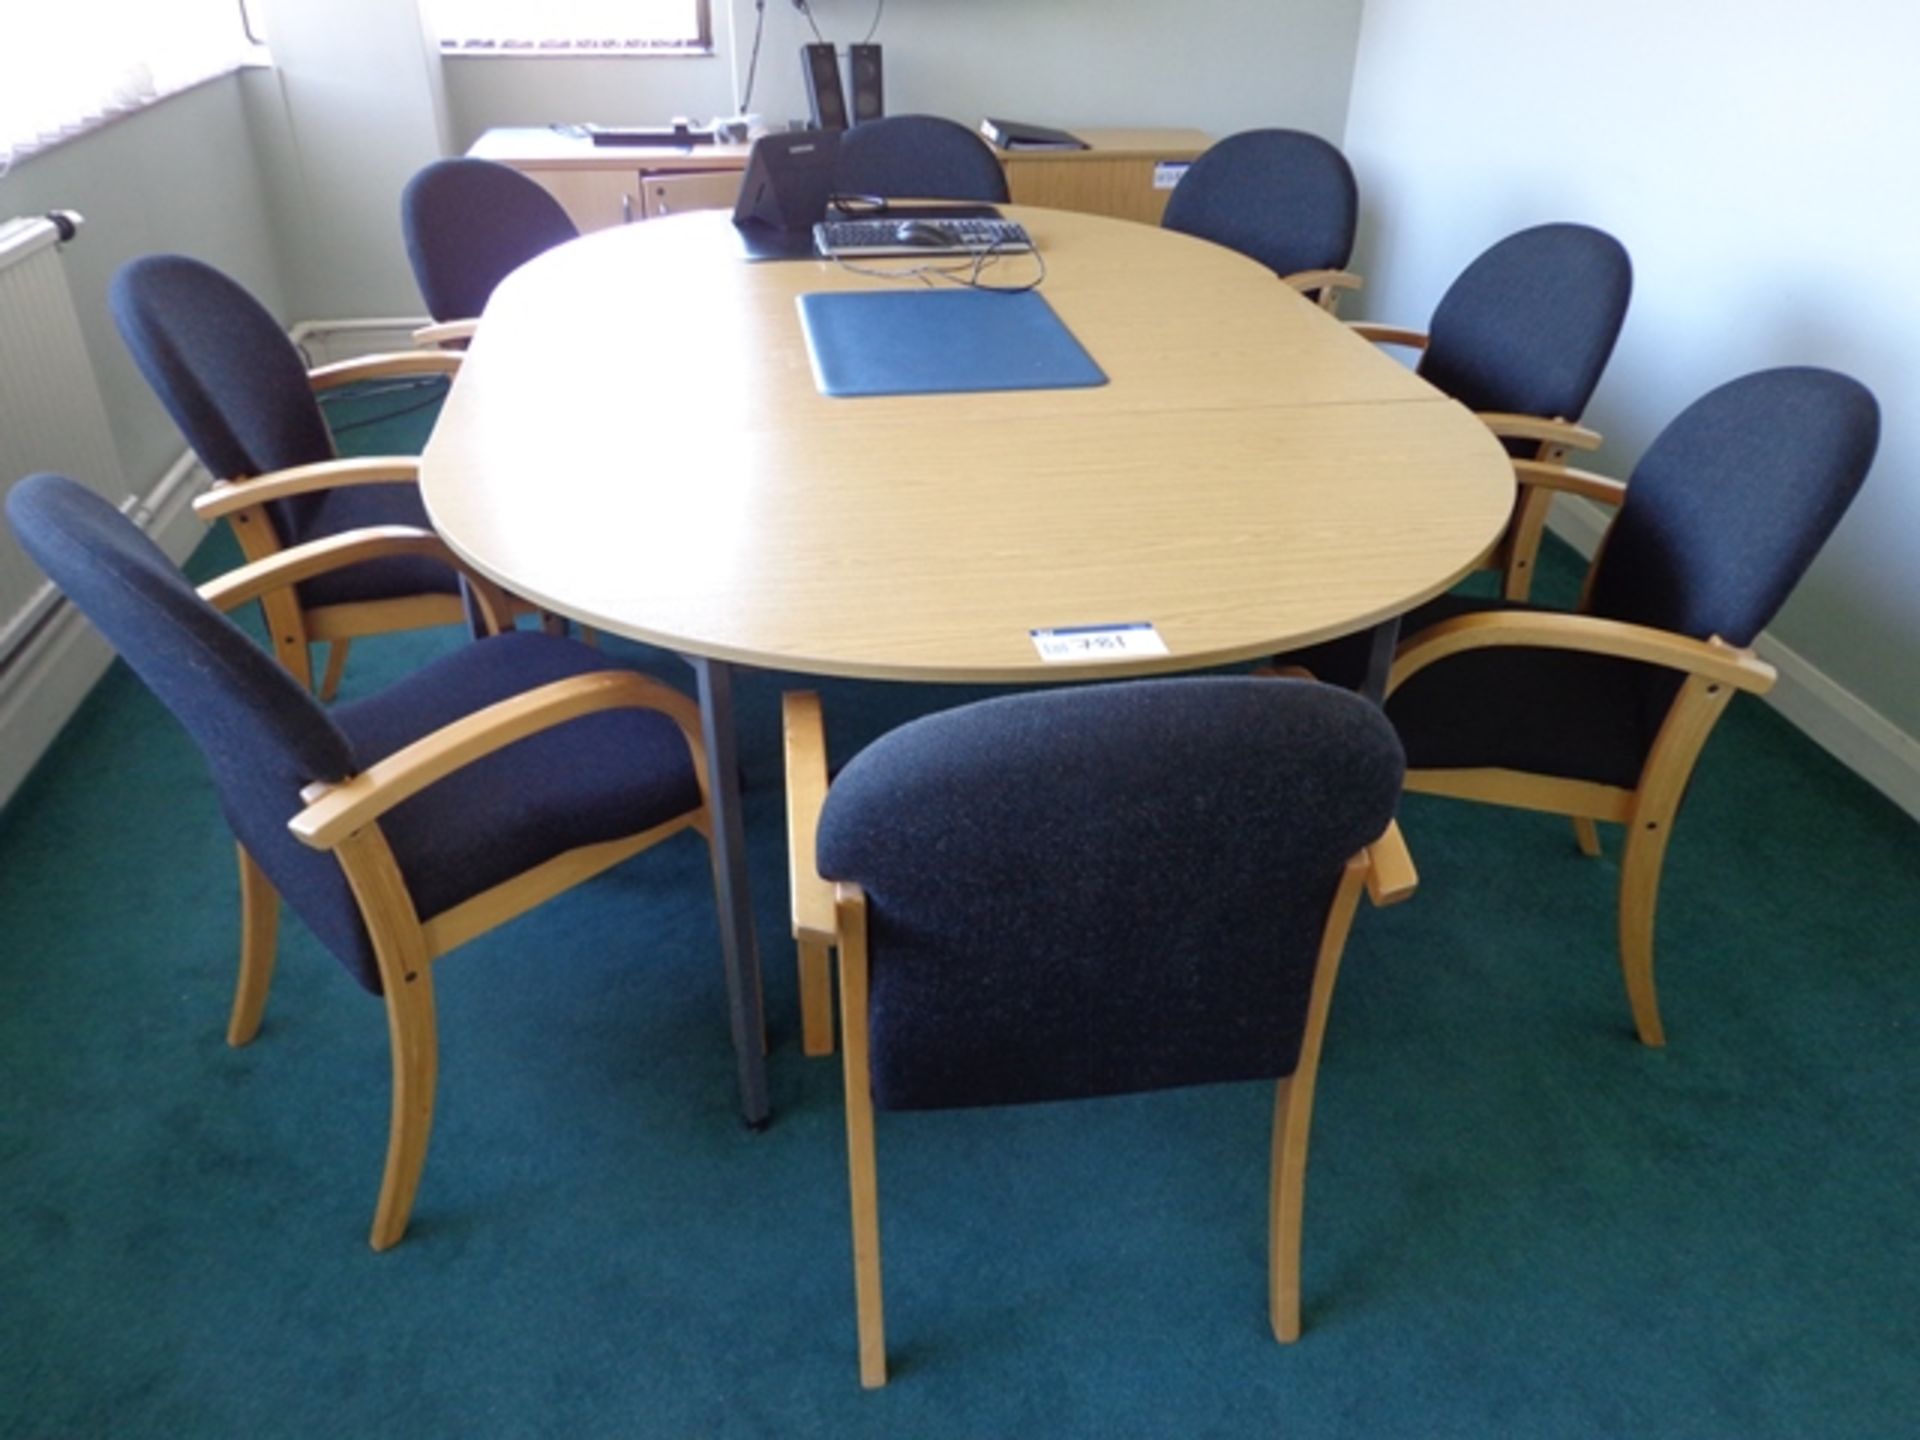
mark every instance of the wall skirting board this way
{"type": "Point", "coordinates": [42, 688]}
{"type": "Point", "coordinates": [1830, 715]}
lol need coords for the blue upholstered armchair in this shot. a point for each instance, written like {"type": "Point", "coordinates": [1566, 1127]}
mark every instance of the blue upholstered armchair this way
{"type": "Point", "coordinates": [1600, 714]}
{"type": "Point", "coordinates": [401, 825]}
{"type": "Point", "coordinates": [918, 157]}
{"type": "Point", "coordinates": [1283, 197]}
{"type": "Point", "coordinates": [244, 399]}
{"type": "Point", "coordinates": [468, 225]}
{"type": "Point", "coordinates": [1521, 339]}
{"type": "Point", "coordinates": [1071, 894]}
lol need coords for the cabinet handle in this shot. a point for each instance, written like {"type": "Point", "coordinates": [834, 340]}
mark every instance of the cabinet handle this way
{"type": "Point", "coordinates": [626, 208]}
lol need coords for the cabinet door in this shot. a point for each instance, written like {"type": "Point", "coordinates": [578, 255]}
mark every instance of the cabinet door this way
{"type": "Point", "coordinates": [675, 194]}
{"type": "Point", "coordinates": [1124, 186]}
{"type": "Point", "coordinates": [593, 199]}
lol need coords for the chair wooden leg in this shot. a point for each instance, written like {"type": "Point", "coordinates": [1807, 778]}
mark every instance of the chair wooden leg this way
{"type": "Point", "coordinates": [416, 1066]}
{"type": "Point", "coordinates": [336, 667]}
{"type": "Point", "coordinates": [406, 981]}
{"type": "Point", "coordinates": [862, 1175]}
{"type": "Point", "coordinates": [259, 929]}
{"type": "Point", "coordinates": [816, 999]}
{"type": "Point", "coordinates": [1292, 1117]}
{"type": "Point", "coordinates": [1640, 867]}
{"type": "Point", "coordinates": [1586, 835]}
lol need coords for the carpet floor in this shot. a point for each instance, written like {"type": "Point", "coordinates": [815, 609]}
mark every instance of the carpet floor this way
{"type": "Point", "coordinates": [1519, 1221]}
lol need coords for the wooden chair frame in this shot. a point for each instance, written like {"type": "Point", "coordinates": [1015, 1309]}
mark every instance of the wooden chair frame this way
{"type": "Point", "coordinates": [1517, 551]}
{"type": "Point", "coordinates": [242, 500]}
{"type": "Point", "coordinates": [1325, 286]}
{"type": "Point", "coordinates": [446, 334]}
{"type": "Point", "coordinates": [344, 818]}
{"type": "Point", "coordinates": [1712, 669]}
{"type": "Point", "coordinates": [830, 918]}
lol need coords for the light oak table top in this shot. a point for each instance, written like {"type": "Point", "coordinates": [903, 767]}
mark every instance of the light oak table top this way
{"type": "Point", "coordinates": [636, 441]}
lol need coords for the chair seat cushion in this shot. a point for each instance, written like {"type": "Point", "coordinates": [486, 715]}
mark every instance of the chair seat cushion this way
{"type": "Point", "coordinates": [349, 508]}
{"type": "Point", "coordinates": [1545, 712]}
{"type": "Point", "coordinates": [594, 779]}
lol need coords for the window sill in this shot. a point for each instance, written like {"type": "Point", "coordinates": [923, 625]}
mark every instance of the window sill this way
{"type": "Point", "coordinates": [569, 52]}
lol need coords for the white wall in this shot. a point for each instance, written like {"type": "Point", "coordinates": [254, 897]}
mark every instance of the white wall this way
{"type": "Point", "coordinates": [1220, 65]}
{"type": "Point", "coordinates": [1756, 157]}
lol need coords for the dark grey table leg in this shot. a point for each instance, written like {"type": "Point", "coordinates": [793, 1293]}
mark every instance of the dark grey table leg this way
{"type": "Point", "coordinates": [476, 622]}
{"type": "Point", "coordinates": [1384, 639]}
{"type": "Point", "coordinates": [739, 953]}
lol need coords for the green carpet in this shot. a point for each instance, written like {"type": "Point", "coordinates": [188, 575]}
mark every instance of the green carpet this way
{"type": "Point", "coordinates": [1519, 1222]}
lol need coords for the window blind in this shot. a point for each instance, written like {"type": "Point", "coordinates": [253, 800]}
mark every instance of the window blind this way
{"type": "Point", "coordinates": [67, 65]}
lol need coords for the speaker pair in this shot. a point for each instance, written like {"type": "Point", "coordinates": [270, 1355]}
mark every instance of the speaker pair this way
{"type": "Point", "coordinates": [824, 95]}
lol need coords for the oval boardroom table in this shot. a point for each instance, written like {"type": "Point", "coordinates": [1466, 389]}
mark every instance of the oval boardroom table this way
{"type": "Point", "coordinates": [636, 441]}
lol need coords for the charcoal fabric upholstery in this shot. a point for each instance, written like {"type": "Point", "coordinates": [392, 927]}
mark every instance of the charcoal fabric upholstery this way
{"type": "Point", "coordinates": [1105, 890]}
{"type": "Point", "coordinates": [265, 738]}
{"type": "Point", "coordinates": [1723, 514]}
{"type": "Point", "coordinates": [221, 365]}
{"type": "Point", "coordinates": [1282, 197]}
{"type": "Point", "coordinates": [471, 223]}
{"type": "Point", "coordinates": [596, 778]}
{"type": "Point", "coordinates": [238, 390]}
{"type": "Point", "coordinates": [1530, 324]}
{"type": "Point", "coordinates": [908, 156]}
{"type": "Point", "coordinates": [1732, 501]}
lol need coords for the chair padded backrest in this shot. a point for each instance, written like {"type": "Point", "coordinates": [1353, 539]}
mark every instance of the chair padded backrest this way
{"type": "Point", "coordinates": [1529, 326]}
{"type": "Point", "coordinates": [262, 735]}
{"type": "Point", "coordinates": [1282, 197]}
{"type": "Point", "coordinates": [471, 223]}
{"type": "Point", "coordinates": [222, 366]}
{"type": "Point", "coordinates": [1103, 890]}
{"type": "Point", "coordinates": [1732, 501]}
{"type": "Point", "coordinates": [908, 156]}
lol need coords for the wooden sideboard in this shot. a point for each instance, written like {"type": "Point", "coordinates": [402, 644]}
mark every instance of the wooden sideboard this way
{"type": "Point", "coordinates": [1127, 174]}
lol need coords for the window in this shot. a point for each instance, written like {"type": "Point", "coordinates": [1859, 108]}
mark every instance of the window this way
{"type": "Point", "coordinates": [572, 27]}
{"type": "Point", "coordinates": [66, 66]}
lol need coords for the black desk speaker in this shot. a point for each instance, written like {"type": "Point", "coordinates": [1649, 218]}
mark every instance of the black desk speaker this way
{"type": "Point", "coordinates": [823, 87]}
{"type": "Point", "coordinates": [863, 81]}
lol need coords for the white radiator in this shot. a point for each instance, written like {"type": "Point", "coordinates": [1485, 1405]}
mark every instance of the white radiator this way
{"type": "Point", "coordinates": [51, 413]}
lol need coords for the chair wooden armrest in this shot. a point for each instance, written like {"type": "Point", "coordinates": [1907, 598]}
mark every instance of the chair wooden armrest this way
{"type": "Point", "coordinates": [1713, 660]}
{"type": "Point", "coordinates": [806, 752]}
{"type": "Point", "coordinates": [1563, 433]}
{"type": "Point", "coordinates": [1391, 877]}
{"type": "Point", "coordinates": [289, 567]}
{"type": "Point", "coordinates": [227, 496]}
{"type": "Point", "coordinates": [1584, 483]}
{"type": "Point", "coordinates": [1328, 285]}
{"type": "Point", "coordinates": [337, 810]}
{"type": "Point", "coordinates": [445, 332]}
{"type": "Point", "coordinates": [1388, 334]}
{"type": "Point", "coordinates": [400, 364]}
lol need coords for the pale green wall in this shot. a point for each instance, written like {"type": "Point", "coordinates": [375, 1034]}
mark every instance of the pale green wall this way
{"type": "Point", "coordinates": [1756, 160]}
{"type": "Point", "coordinates": [350, 109]}
{"type": "Point", "coordinates": [180, 175]}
